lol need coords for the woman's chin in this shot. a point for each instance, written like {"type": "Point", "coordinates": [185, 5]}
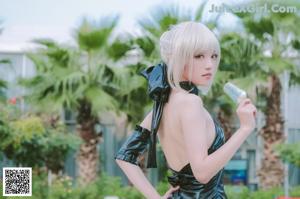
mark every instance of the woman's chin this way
{"type": "Point", "coordinates": [203, 84]}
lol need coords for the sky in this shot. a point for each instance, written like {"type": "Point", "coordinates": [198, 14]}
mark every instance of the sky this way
{"type": "Point", "coordinates": [24, 20]}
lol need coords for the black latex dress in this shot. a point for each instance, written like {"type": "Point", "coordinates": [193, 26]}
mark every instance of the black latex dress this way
{"type": "Point", "coordinates": [136, 144]}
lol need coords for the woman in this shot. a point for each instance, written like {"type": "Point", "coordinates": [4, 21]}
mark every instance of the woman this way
{"type": "Point", "coordinates": [192, 141]}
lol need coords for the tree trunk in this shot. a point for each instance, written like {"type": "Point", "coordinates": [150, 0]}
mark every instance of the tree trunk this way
{"type": "Point", "coordinates": [87, 160]}
{"type": "Point", "coordinates": [271, 172]}
{"type": "Point", "coordinates": [88, 156]}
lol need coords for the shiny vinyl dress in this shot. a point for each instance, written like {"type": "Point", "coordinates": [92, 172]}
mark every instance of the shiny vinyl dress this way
{"type": "Point", "coordinates": [141, 138]}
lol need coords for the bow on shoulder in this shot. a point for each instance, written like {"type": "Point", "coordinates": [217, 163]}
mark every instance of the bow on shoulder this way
{"type": "Point", "coordinates": [158, 90]}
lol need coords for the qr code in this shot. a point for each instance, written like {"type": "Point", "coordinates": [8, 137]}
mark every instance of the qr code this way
{"type": "Point", "coordinates": [17, 181]}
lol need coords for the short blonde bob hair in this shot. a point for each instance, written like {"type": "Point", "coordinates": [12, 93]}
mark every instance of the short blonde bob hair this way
{"type": "Point", "coordinates": [180, 44]}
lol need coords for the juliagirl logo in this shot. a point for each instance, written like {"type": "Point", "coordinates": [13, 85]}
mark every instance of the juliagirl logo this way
{"type": "Point", "coordinates": [276, 8]}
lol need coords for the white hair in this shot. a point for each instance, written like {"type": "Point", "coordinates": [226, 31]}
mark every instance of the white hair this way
{"type": "Point", "coordinates": [180, 43]}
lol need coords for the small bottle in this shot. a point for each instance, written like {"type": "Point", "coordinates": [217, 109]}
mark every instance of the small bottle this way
{"type": "Point", "coordinates": [234, 92]}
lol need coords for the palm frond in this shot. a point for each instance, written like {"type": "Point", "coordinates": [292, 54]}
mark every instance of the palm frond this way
{"type": "Point", "coordinates": [94, 36]}
{"type": "Point", "coordinates": [199, 11]}
{"type": "Point", "coordinates": [160, 19]}
{"type": "Point", "coordinates": [100, 100]}
{"type": "Point", "coordinates": [118, 49]}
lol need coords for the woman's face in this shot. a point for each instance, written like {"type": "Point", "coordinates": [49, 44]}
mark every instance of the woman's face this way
{"type": "Point", "coordinates": [204, 68]}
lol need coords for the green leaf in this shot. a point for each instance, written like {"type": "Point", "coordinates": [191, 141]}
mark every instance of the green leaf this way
{"type": "Point", "coordinates": [118, 49]}
{"type": "Point", "coordinates": [259, 28]}
{"type": "Point", "coordinates": [101, 101]}
{"type": "Point", "coordinates": [296, 44]}
{"type": "Point", "coordinates": [278, 65]}
{"type": "Point", "coordinates": [94, 36]}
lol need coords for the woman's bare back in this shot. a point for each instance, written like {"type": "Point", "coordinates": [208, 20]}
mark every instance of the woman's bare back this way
{"type": "Point", "coordinates": [170, 134]}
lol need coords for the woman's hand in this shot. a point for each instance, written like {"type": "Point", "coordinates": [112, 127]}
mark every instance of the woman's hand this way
{"type": "Point", "coordinates": [246, 112]}
{"type": "Point", "coordinates": [168, 194]}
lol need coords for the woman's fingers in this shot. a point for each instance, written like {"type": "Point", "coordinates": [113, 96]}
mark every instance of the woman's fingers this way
{"type": "Point", "coordinates": [168, 194]}
{"type": "Point", "coordinates": [172, 189]}
{"type": "Point", "coordinates": [245, 102]}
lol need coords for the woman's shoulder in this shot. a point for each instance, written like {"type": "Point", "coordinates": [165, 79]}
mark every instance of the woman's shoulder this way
{"type": "Point", "coordinates": [186, 99]}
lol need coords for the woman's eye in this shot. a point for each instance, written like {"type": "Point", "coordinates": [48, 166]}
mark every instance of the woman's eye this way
{"type": "Point", "coordinates": [199, 56]}
{"type": "Point", "coordinates": [214, 56]}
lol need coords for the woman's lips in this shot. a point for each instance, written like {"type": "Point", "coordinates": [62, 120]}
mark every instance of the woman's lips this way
{"type": "Point", "coordinates": [207, 76]}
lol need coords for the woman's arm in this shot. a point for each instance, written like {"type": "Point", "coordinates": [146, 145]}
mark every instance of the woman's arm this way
{"type": "Point", "coordinates": [205, 166]}
{"type": "Point", "coordinates": [138, 179]}
{"type": "Point", "coordinates": [130, 166]}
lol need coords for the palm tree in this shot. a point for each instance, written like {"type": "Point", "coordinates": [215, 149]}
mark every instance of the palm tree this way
{"type": "Point", "coordinates": [82, 79]}
{"type": "Point", "coordinates": [267, 32]}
